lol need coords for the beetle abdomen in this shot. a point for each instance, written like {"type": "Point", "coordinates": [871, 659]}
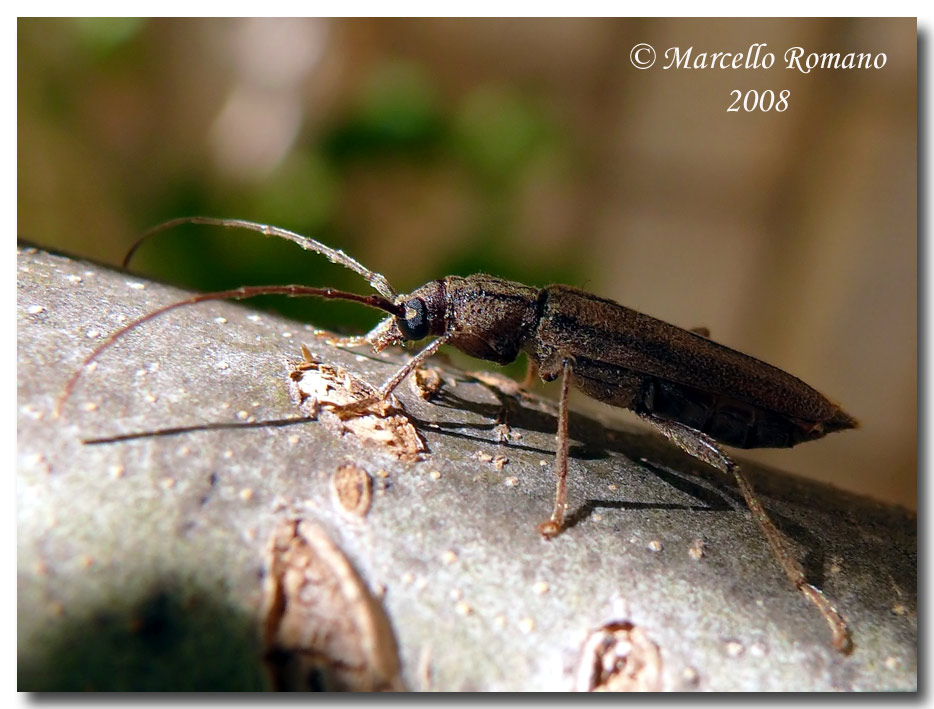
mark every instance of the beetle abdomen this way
{"type": "Point", "coordinates": [731, 421]}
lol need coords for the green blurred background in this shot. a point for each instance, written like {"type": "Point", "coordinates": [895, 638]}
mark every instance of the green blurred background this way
{"type": "Point", "coordinates": [531, 149]}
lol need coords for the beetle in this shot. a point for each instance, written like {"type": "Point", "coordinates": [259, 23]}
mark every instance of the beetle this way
{"type": "Point", "coordinates": [697, 393]}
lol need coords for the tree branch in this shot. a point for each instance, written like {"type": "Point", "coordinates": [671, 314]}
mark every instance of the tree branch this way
{"type": "Point", "coordinates": [170, 559]}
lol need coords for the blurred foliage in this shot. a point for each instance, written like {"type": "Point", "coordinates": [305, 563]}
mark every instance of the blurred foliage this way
{"type": "Point", "coordinates": [397, 114]}
{"type": "Point", "coordinates": [103, 35]}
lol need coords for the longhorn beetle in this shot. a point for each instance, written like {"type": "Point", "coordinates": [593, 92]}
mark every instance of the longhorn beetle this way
{"type": "Point", "coordinates": [693, 391]}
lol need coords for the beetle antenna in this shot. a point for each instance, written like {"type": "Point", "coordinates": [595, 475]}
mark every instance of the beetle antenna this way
{"type": "Point", "coordinates": [373, 301]}
{"type": "Point", "coordinates": [376, 280]}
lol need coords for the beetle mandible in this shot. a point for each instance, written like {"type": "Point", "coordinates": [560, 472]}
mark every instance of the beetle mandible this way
{"type": "Point", "coordinates": [695, 392]}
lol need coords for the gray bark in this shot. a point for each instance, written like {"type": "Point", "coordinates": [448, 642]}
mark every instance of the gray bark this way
{"type": "Point", "coordinates": [167, 561]}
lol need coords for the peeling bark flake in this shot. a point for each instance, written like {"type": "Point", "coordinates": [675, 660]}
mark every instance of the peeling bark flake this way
{"type": "Point", "coordinates": [319, 388]}
{"type": "Point", "coordinates": [619, 657]}
{"type": "Point", "coordinates": [323, 629]}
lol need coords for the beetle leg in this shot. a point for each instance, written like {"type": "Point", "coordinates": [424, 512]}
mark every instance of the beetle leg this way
{"type": "Point", "coordinates": [337, 341]}
{"type": "Point", "coordinates": [704, 448]}
{"type": "Point", "coordinates": [531, 374]}
{"type": "Point", "coordinates": [552, 527]}
{"type": "Point", "coordinates": [381, 336]}
{"type": "Point", "coordinates": [386, 389]}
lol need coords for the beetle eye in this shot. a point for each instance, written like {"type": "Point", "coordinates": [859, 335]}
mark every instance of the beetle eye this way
{"type": "Point", "coordinates": [414, 324]}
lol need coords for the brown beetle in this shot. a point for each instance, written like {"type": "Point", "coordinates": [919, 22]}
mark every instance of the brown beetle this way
{"type": "Point", "coordinates": [693, 390]}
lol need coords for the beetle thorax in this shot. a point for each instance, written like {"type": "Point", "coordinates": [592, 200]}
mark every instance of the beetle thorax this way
{"type": "Point", "coordinates": [487, 317]}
